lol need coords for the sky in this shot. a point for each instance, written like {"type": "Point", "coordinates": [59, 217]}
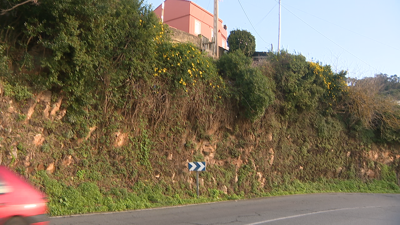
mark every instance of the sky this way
{"type": "Point", "coordinates": [361, 37]}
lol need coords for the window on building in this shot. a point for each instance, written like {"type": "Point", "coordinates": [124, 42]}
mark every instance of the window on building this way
{"type": "Point", "coordinates": [197, 27]}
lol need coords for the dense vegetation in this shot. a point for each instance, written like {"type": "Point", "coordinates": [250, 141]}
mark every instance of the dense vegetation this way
{"type": "Point", "coordinates": [139, 107]}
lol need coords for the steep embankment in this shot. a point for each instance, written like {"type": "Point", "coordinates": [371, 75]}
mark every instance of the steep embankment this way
{"type": "Point", "coordinates": [144, 159]}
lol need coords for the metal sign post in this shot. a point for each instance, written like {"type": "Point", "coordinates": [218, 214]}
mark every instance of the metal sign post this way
{"type": "Point", "coordinates": [197, 166]}
{"type": "Point", "coordinates": [197, 178]}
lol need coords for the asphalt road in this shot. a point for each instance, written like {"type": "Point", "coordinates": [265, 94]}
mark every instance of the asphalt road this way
{"type": "Point", "coordinates": [319, 209]}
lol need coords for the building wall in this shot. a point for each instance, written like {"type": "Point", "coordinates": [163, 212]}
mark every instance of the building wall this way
{"type": "Point", "coordinates": [183, 14]}
{"type": "Point", "coordinates": [179, 36]}
{"type": "Point", "coordinates": [184, 37]}
{"type": "Point", "coordinates": [182, 23]}
{"type": "Point", "coordinates": [204, 17]}
{"type": "Point", "coordinates": [158, 11]}
{"type": "Point", "coordinates": [175, 10]}
{"type": "Point", "coordinates": [207, 23]}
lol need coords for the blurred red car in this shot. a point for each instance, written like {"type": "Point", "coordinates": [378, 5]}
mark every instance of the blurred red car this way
{"type": "Point", "coordinates": [20, 203]}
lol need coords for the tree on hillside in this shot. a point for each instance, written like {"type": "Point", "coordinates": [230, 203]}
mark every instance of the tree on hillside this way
{"type": "Point", "coordinates": [390, 85]}
{"type": "Point", "coordinates": [242, 40]}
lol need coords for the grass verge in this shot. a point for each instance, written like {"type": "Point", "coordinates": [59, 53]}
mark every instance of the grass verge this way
{"type": "Point", "coordinates": [89, 198]}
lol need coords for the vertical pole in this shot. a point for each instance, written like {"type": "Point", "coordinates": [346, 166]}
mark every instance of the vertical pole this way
{"type": "Point", "coordinates": [279, 28]}
{"type": "Point", "coordinates": [162, 12]}
{"type": "Point", "coordinates": [197, 178]}
{"type": "Point", "coordinates": [216, 28]}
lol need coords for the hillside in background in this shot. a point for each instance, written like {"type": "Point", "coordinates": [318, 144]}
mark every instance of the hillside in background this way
{"type": "Point", "coordinates": [103, 113]}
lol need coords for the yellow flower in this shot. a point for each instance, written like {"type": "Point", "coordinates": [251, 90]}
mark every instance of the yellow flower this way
{"type": "Point", "coordinates": [179, 64]}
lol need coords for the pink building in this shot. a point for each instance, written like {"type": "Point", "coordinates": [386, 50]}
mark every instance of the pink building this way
{"type": "Point", "coordinates": [191, 18]}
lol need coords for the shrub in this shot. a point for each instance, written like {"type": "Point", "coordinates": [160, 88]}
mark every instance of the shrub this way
{"type": "Point", "coordinates": [4, 70]}
{"type": "Point", "coordinates": [303, 86]}
{"type": "Point", "coordinates": [18, 91]}
{"type": "Point", "coordinates": [334, 85]}
{"type": "Point", "coordinates": [252, 90]}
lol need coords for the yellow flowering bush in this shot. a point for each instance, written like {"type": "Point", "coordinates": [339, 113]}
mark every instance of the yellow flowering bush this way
{"type": "Point", "coordinates": [160, 36]}
{"type": "Point", "coordinates": [186, 67]}
{"type": "Point", "coordinates": [305, 86]}
{"type": "Point", "coordinates": [334, 84]}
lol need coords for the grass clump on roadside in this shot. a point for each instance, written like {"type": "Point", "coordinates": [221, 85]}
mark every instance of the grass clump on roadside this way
{"type": "Point", "coordinates": [88, 197]}
{"type": "Point", "coordinates": [336, 185]}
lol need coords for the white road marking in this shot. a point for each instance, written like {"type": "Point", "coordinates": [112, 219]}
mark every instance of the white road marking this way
{"type": "Point", "coordinates": [309, 214]}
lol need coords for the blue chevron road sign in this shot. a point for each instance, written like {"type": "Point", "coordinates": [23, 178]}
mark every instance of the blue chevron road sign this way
{"type": "Point", "coordinates": [197, 166]}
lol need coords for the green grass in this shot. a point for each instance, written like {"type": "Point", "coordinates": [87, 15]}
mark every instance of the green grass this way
{"type": "Point", "coordinates": [336, 185]}
{"type": "Point", "coordinates": [87, 197]}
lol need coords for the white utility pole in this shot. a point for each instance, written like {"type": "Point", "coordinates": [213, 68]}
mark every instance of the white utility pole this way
{"type": "Point", "coordinates": [279, 29]}
{"type": "Point", "coordinates": [216, 28]}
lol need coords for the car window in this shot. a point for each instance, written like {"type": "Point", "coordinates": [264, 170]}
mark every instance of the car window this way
{"type": "Point", "coordinates": [4, 189]}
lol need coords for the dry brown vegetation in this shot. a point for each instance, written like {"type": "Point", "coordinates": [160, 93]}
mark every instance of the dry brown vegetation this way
{"type": "Point", "coordinates": [367, 104]}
